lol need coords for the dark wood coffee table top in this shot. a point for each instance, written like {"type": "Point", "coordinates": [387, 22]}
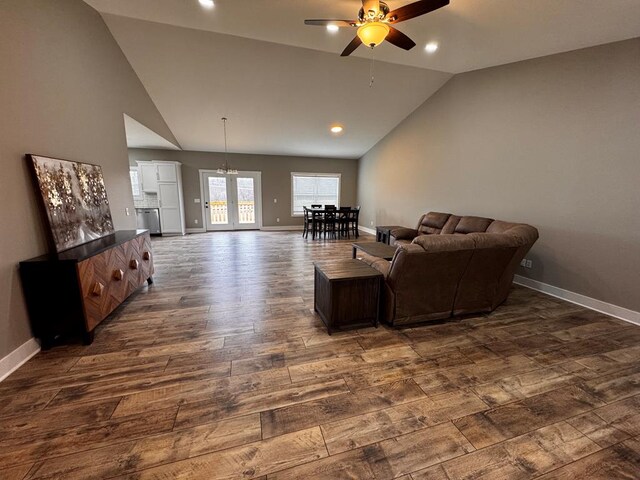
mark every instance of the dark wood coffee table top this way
{"type": "Point", "coordinates": [377, 249]}
{"type": "Point", "coordinates": [346, 269]}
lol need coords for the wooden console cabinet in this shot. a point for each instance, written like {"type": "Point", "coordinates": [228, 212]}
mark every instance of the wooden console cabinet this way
{"type": "Point", "coordinates": [70, 293]}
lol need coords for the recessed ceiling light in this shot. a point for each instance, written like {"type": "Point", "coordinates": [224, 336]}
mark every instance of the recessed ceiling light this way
{"type": "Point", "coordinates": [207, 3]}
{"type": "Point", "coordinates": [336, 129]}
{"type": "Point", "coordinates": [333, 28]}
{"type": "Point", "coordinates": [431, 47]}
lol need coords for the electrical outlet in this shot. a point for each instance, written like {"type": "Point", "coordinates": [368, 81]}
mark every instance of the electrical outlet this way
{"type": "Point", "coordinates": [126, 210]}
{"type": "Point", "coordinates": [372, 223]}
{"type": "Point", "coordinates": [529, 264]}
{"type": "Point", "coordinates": [278, 220]}
{"type": "Point", "coordinates": [195, 221]}
{"type": "Point", "coordinates": [275, 200]}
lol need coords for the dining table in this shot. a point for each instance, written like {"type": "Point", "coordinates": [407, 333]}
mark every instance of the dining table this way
{"type": "Point", "coordinates": [342, 217]}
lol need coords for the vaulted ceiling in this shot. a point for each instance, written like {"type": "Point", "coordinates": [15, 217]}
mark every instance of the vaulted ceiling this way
{"type": "Point", "coordinates": [283, 84]}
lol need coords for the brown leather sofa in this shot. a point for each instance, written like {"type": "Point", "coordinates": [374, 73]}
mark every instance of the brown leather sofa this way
{"type": "Point", "coordinates": [451, 265]}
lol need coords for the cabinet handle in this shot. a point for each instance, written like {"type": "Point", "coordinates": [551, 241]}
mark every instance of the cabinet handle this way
{"type": "Point", "coordinates": [133, 264]}
{"type": "Point", "coordinates": [118, 274]}
{"type": "Point", "coordinates": [97, 289]}
{"type": "Point", "coordinates": [146, 256]}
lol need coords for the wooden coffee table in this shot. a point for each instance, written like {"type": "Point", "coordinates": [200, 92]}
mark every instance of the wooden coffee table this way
{"type": "Point", "coordinates": [376, 249]}
{"type": "Point", "coordinates": [347, 294]}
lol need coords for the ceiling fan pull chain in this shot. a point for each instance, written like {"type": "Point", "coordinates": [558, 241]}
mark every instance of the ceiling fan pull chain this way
{"type": "Point", "coordinates": [371, 68]}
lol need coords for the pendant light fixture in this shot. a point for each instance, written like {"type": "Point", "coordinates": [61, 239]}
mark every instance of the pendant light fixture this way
{"type": "Point", "coordinates": [226, 169]}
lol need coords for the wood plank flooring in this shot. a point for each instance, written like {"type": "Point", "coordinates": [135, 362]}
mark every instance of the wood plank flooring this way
{"type": "Point", "coordinates": [221, 370]}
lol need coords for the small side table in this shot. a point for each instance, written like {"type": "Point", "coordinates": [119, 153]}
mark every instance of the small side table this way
{"type": "Point", "coordinates": [383, 233]}
{"type": "Point", "coordinates": [347, 294]}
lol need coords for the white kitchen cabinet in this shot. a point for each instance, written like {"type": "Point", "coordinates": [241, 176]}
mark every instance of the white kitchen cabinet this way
{"type": "Point", "coordinates": [148, 176]}
{"type": "Point", "coordinates": [169, 201]}
{"type": "Point", "coordinates": [167, 172]}
{"type": "Point", "coordinates": [165, 180]}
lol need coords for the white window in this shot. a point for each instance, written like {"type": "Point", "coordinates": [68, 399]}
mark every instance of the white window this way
{"type": "Point", "coordinates": [134, 175]}
{"type": "Point", "coordinates": [314, 189]}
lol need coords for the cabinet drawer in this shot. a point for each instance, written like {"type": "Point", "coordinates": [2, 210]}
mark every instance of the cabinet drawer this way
{"type": "Point", "coordinates": [103, 283]}
{"type": "Point", "coordinates": [139, 262]}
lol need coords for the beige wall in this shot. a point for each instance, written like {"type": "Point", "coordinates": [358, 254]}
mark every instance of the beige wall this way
{"type": "Point", "coordinates": [64, 85]}
{"type": "Point", "coordinates": [554, 142]}
{"type": "Point", "coordinates": [276, 179]}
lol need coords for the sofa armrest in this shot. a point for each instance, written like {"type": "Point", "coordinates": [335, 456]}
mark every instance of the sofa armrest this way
{"type": "Point", "coordinates": [404, 233]}
{"type": "Point", "coordinates": [380, 264]}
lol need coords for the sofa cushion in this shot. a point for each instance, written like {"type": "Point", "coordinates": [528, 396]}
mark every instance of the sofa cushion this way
{"type": "Point", "coordinates": [450, 226]}
{"type": "Point", "coordinates": [495, 240]}
{"type": "Point", "coordinates": [473, 224]}
{"type": "Point", "coordinates": [444, 243]}
{"type": "Point", "coordinates": [433, 222]}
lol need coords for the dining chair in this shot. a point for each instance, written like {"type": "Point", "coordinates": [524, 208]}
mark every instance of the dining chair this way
{"type": "Point", "coordinates": [354, 217]}
{"type": "Point", "coordinates": [317, 205]}
{"type": "Point", "coordinates": [308, 222]}
{"type": "Point", "coordinates": [343, 221]}
{"type": "Point", "coordinates": [329, 221]}
{"type": "Point", "coordinates": [317, 223]}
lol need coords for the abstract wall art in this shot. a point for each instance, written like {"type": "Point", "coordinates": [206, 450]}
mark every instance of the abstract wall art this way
{"type": "Point", "coordinates": [74, 199]}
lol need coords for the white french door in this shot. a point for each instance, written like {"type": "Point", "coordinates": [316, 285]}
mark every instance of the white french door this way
{"type": "Point", "coordinates": [232, 202]}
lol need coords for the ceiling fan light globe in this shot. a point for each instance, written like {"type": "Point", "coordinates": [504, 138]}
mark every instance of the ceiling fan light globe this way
{"type": "Point", "coordinates": [373, 34]}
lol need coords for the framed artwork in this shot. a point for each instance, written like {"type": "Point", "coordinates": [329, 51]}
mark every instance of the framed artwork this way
{"type": "Point", "coordinates": [74, 200]}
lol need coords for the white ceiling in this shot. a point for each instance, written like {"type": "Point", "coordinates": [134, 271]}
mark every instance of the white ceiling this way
{"type": "Point", "coordinates": [472, 33]}
{"type": "Point", "coordinates": [139, 136]}
{"type": "Point", "coordinates": [282, 84]}
{"type": "Point", "coordinates": [279, 99]}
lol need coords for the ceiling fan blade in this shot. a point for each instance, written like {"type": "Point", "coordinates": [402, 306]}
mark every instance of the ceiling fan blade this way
{"type": "Point", "coordinates": [399, 39]}
{"type": "Point", "coordinates": [355, 43]}
{"type": "Point", "coordinates": [415, 9]}
{"type": "Point", "coordinates": [337, 23]}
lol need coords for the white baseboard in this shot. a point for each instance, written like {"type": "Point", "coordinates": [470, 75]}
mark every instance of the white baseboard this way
{"type": "Point", "coordinates": [283, 228]}
{"type": "Point", "coordinates": [18, 357]}
{"type": "Point", "coordinates": [367, 230]}
{"type": "Point", "coordinates": [582, 300]}
{"type": "Point", "coordinates": [196, 230]}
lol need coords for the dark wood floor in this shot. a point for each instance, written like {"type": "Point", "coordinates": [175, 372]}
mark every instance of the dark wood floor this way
{"type": "Point", "coordinates": [222, 370]}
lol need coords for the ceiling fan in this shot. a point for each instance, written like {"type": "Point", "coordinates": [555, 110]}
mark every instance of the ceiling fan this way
{"type": "Point", "coordinates": [375, 20]}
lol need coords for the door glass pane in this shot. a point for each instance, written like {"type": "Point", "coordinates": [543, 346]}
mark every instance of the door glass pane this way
{"type": "Point", "coordinates": [218, 206]}
{"type": "Point", "coordinates": [246, 200]}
